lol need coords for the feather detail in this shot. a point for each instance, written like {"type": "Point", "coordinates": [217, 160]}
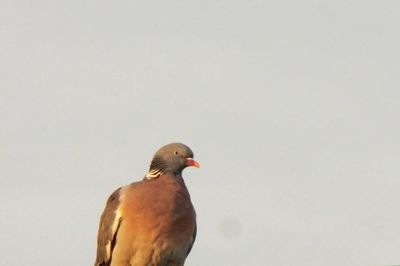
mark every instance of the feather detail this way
{"type": "Point", "coordinates": [157, 168]}
{"type": "Point", "coordinates": [155, 173]}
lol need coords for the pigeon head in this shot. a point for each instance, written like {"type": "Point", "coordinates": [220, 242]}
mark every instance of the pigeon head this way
{"type": "Point", "coordinates": [171, 158]}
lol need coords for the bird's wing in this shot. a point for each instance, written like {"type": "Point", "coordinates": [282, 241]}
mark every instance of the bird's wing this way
{"type": "Point", "coordinates": [193, 239]}
{"type": "Point", "coordinates": [109, 224]}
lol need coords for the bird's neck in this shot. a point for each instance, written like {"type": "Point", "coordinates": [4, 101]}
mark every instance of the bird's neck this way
{"type": "Point", "coordinates": [159, 167]}
{"type": "Point", "coordinates": [156, 173]}
{"type": "Point", "coordinates": [153, 173]}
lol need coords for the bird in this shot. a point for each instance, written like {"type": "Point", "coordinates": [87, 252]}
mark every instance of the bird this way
{"type": "Point", "coordinates": [151, 222]}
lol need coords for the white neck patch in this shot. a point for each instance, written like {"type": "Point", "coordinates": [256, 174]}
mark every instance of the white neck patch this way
{"type": "Point", "coordinates": [153, 174]}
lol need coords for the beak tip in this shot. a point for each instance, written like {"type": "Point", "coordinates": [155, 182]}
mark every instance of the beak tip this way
{"type": "Point", "coordinates": [191, 162]}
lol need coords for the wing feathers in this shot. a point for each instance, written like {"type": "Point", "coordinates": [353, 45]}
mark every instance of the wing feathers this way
{"type": "Point", "coordinates": [193, 239]}
{"type": "Point", "coordinates": [109, 224]}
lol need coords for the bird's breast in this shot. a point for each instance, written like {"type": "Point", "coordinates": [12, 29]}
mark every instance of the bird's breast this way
{"type": "Point", "coordinates": [162, 219]}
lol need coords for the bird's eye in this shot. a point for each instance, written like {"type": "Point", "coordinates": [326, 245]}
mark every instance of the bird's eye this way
{"type": "Point", "coordinates": [176, 152]}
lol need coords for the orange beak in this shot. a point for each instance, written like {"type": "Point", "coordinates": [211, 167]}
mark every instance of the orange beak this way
{"type": "Point", "coordinates": [191, 162]}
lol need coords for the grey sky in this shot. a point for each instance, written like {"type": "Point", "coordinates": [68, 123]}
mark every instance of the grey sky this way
{"type": "Point", "coordinates": [292, 108]}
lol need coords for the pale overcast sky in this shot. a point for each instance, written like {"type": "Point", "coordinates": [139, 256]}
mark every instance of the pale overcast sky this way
{"type": "Point", "coordinates": [291, 107]}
